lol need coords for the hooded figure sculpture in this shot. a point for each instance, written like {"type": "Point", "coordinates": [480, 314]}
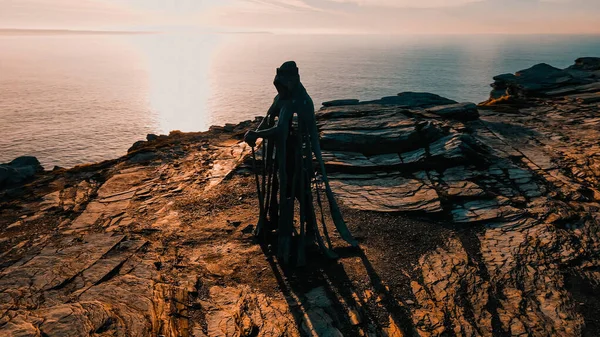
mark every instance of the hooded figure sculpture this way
{"type": "Point", "coordinates": [290, 139]}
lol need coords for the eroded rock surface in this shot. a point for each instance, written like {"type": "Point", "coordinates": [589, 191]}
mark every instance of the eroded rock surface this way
{"type": "Point", "coordinates": [107, 250]}
{"type": "Point", "coordinates": [471, 222]}
{"type": "Point", "coordinates": [544, 80]}
{"type": "Point", "coordinates": [526, 178]}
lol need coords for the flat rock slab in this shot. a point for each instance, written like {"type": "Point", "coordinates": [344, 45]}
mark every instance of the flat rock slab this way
{"type": "Point", "coordinates": [96, 211]}
{"type": "Point", "coordinates": [464, 189]}
{"type": "Point", "coordinates": [585, 98]}
{"type": "Point", "coordinates": [388, 158]}
{"type": "Point", "coordinates": [360, 140]}
{"type": "Point", "coordinates": [460, 111]}
{"type": "Point", "coordinates": [54, 266]}
{"type": "Point", "coordinates": [577, 89]}
{"type": "Point", "coordinates": [413, 100]}
{"type": "Point", "coordinates": [228, 158]}
{"type": "Point", "coordinates": [484, 210]}
{"type": "Point", "coordinates": [122, 183]}
{"type": "Point", "coordinates": [240, 312]}
{"type": "Point", "coordinates": [386, 194]}
{"type": "Point", "coordinates": [356, 160]}
{"type": "Point", "coordinates": [373, 129]}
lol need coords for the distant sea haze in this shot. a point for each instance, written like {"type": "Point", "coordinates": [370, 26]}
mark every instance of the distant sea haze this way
{"type": "Point", "coordinates": [70, 99]}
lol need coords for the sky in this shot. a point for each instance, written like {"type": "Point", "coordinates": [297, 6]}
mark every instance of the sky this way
{"type": "Point", "coordinates": [310, 16]}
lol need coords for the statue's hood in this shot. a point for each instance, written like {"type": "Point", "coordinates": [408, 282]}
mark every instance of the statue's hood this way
{"type": "Point", "coordinates": [287, 79]}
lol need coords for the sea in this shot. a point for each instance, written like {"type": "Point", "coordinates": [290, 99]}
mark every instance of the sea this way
{"type": "Point", "coordinates": [70, 99]}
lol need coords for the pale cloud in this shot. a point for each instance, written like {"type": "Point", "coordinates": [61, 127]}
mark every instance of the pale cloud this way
{"type": "Point", "coordinates": [66, 14]}
{"type": "Point", "coordinates": [290, 4]}
{"type": "Point", "coordinates": [310, 16]}
{"type": "Point", "coordinates": [408, 3]}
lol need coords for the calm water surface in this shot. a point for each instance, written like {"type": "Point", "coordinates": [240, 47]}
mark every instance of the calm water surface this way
{"type": "Point", "coordinates": [71, 99]}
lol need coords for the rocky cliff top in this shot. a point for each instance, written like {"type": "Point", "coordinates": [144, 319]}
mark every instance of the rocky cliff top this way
{"type": "Point", "coordinates": [472, 222]}
{"type": "Point", "coordinates": [579, 83]}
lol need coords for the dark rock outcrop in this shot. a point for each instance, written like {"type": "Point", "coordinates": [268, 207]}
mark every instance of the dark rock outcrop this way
{"type": "Point", "coordinates": [586, 63]}
{"type": "Point", "coordinates": [404, 99]}
{"type": "Point", "coordinates": [461, 111]}
{"type": "Point", "coordinates": [543, 80]}
{"type": "Point", "coordinates": [341, 102]}
{"type": "Point", "coordinates": [413, 100]}
{"type": "Point", "coordinates": [136, 146]}
{"type": "Point", "coordinates": [19, 170]}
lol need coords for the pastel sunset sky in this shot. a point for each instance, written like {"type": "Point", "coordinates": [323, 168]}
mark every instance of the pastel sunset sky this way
{"type": "Point", "coordinates": [309, 16]}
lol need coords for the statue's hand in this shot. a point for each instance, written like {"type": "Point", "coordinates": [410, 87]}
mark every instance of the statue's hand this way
{"type": "Point", "coordinates": [251, 137]}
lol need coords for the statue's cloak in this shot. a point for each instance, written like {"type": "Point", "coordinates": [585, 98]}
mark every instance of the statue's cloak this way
{"type": "Point", "coordinates": [290, 174]}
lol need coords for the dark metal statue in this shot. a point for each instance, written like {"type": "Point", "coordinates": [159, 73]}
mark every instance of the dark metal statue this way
{"type": "Point", "coordinates": [290, 139]}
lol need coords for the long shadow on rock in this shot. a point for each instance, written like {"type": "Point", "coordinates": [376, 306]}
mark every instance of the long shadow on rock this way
{"type": "Point", "coordinates": [510, 130]}
{"type": "Point", "coordinates": [472, 246]}
{"type": "Point", "coordinates": [399, 314]}
{"type": "Point", "coordinates": [326, 302]}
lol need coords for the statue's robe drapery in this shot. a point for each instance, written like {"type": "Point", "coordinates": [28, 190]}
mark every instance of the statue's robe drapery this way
{"type": "Point", "coordinates": [290, 140]}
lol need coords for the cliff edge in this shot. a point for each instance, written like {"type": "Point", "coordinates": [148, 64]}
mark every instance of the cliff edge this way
{"type": "Point", "coordinates": [472, 221]}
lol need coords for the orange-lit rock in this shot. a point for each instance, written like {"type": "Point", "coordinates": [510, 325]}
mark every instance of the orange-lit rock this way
{"type": "Point", "coordinates": [467, 227]}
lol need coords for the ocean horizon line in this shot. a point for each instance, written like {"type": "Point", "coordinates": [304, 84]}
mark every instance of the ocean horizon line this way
{"type": "Point", "coordinates": [53, 31]}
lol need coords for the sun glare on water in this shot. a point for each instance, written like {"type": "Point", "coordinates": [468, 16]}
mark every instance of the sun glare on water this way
{"type": "Point", "coordinates": [178, 69]}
